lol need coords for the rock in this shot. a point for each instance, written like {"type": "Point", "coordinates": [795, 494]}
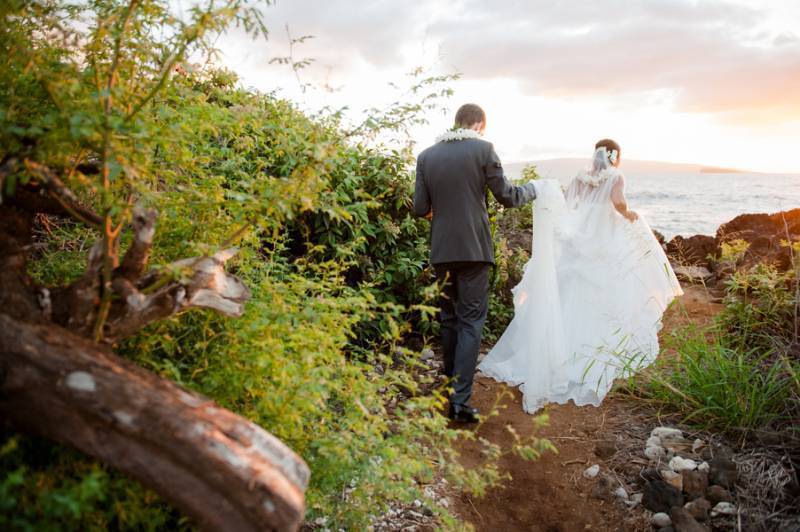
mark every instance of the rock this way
{"type": "Point", "coordinates": [704, 467]}
{"type": "Point", "coordinates": [660, 520]}
{"type": "Point", "coordinates": [605, 449]}
{"type": "Point", "coordinates": [427, 354]}
{"type": "Point", "coordinates": [650, 473]}
{"type": "Point", "coordinates": [697, 445]}
{"type": "Point", "coordinates": [673, 479]}
{"type": "Point", "coordinates": [692, 274]}
{"type": "Point", "coordinates": [765, 234]}
{"type": "Point", "coordinates": [692, 251]}
{"type": "Point", "coordinates": [659, 496]}
{"type": "Point", "coordinates": [634, 500]}
{"type": "Point", "coordinates": [699, 508]}
{"type": "Point", "coordinates": [603, 488]}
{"type": "Point", "coordinates": [722, 472]}
{"type": "Point", "coordinates": [717, 494]}
{"type": "Point", "coordinates": [592, 471]}
{"type": "Point", "coordinates": [695, 483]}
{"type": "Point", "coordinates": [655, 453]}
{"type": "Point", "coordinates": [666, 434]}
{"type": "Point", "coordinates": [621, 493]}
{"type": "Point", "coordinates": [679, 464]}
{"type": "Point", "coordinates": [682, 521]}
{"type": "Point", "coordinates": [723, 508]}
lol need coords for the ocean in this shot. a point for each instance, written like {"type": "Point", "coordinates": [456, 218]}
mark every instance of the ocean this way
{"type": "Point", "coordinates": [682, 200]}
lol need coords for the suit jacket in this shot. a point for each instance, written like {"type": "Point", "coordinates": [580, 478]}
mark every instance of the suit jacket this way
{"type": "Point", "coordinates": [452, 178]}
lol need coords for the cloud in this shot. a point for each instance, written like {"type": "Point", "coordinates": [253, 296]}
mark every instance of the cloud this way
{"type": "Point", "coordinates": [714, 56]}
{"type": "Point", "coordinates": [711, 56]}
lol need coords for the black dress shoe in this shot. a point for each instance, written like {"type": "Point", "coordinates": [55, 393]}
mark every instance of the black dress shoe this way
{"type": "Point", "coordinates": [463, 414]}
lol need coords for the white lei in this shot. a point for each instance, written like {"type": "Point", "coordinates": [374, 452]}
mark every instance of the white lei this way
{"type": "Point", "coordinates": [458, 134]}
{"type": "Point", "coordinates": [595, 179]}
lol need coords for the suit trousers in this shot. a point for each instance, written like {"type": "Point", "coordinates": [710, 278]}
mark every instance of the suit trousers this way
{"type": "Point", "coordinates": [463, 308]}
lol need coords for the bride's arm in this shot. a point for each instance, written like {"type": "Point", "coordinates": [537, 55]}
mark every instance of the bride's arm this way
{"type": "Point", "coordinates": [618, 199]}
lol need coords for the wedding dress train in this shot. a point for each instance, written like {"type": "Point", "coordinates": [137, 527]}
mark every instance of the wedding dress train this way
{"type": "Point", "coordinates": [589, 306]}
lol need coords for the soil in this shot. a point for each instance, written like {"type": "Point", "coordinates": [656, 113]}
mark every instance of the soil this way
{"type": "Point", "coordinates": [551, 494]}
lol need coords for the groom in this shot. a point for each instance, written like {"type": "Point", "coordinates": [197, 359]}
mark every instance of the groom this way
{"type": "Point", "coordinates": [452, 177]}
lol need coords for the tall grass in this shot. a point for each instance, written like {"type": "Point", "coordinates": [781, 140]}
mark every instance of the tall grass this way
{"type": "Point", "coordinates": [741, 374]}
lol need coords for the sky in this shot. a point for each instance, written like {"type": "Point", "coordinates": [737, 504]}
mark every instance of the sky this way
{"type": "Point", "coordinates": [713, 82]}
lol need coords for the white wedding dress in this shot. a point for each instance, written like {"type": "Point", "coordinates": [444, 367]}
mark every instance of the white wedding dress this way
{"type": "Point", "coordinates": [589, 306]}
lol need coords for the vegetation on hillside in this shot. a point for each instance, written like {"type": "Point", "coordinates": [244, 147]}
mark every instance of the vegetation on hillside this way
{"type": "Point", "coordinates": [100, 92]}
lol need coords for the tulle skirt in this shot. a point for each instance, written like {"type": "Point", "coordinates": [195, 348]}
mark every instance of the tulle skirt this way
{"type": "Point", "coordinates": [589, 306]}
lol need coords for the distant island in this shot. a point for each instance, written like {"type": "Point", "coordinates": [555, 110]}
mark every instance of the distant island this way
{"type": "Point", "coordinates": [569, 166]}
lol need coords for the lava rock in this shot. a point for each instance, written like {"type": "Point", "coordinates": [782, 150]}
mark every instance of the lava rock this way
{"type": "Point", "coordinates": [693, 251]}
{"type": "Point", "coordinates": [722, 472]}
{"type": "Point", "coordinates": [718, 494]}
{"type": "Point", "coordinates": [605, 449]}
{"type": "Point", "coordinates": [682, 521]}
{"type": "Point", "coordinates": [695, 483]}
{"type": "Point", "coordinates": [659, 496]}
{"type": "Point", "coordinates": [699, 508]}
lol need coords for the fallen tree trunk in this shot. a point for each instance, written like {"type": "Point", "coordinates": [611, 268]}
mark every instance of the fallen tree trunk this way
{"type": "Point", "coordinates": [222, 470]}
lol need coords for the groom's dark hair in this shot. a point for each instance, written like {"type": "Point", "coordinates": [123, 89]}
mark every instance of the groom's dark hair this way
{"type": "Point", "coordinates": [469, 114]}
{"type": "Point", "coordinates": [609, 145]}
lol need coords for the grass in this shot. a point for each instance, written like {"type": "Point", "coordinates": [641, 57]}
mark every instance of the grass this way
{"type": "Point", "coordinates": [718, 387]}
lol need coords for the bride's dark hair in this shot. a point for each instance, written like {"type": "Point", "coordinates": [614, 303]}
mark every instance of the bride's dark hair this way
{"type": "Point", "coordinates": [609, 145]}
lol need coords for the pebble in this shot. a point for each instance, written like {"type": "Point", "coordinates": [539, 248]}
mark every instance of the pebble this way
{"type": "Point", "coordinates": [695, 483]}
{"type": "Point", "coordinates": [667, 434]}
{"type": "Point", "coordinates": [621, 493]}
{"type": "Point", "coordinates": [605, 449]}
{"type": "Point", "coordinates": [698, 508]}
{"type": "Point", "coordinates": [655, 453]}
{"type": "Point", "coordinates": [660, 520]}
{"type": "Point", "coordinates": [679, 464]}
{"type": "Point", "coordinates": [592, 471]}
{"type": "Point", "coordinates": [673, 479]}
{"type": "Point", "coordinates": [660, 496]}
{"type": "Point", "coordinates": [697, 445]}
{"type": "Point", "coordinates": [723, 508]}
{"type": "Point", "coordinates": [704, 467]}
{"type": "Point", "coordinates": [427, 354]}
{"type": "Point", "coordinates": [683, 521]}
{"type": "Point", "coordinates": [722, 472]}
{"type": "Point", "coordinates": [717, 494]}
{"type": "Point", "coordinates": [653, 441]}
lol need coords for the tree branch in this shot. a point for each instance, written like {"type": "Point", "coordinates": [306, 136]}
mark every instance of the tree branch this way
{"type": "Point", "coordinates": [222, 470]}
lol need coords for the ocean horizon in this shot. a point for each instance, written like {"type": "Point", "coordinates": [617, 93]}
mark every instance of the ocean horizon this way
{"type": "Point", "coordinates": [687, 200]}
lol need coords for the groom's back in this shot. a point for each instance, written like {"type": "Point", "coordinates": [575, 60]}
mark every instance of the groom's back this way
{"type": "Point", "coordinates": [454, 175]}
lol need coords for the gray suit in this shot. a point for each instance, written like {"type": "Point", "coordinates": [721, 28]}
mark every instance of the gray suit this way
{"type": "Point", "coordinates": [452, 178]}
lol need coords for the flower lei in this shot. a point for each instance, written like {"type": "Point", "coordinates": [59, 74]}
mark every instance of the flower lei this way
{"type": "Point", "coordinates": [458, 134]}
{"type": "Point", "coordinates": [595, 179]}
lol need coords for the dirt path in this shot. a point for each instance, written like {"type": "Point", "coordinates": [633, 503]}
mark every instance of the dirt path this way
{"type": "Point", "coordinates": [550, 494]}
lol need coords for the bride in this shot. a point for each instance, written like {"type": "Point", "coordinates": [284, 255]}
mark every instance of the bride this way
{"type": "Point", "coordinates": [589, 306]}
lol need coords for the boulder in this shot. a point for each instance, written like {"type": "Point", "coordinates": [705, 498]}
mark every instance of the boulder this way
{"type": "Point", "coordinates": [764, 233]}
{"type": "Point", "coordinates": [693, 251]}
